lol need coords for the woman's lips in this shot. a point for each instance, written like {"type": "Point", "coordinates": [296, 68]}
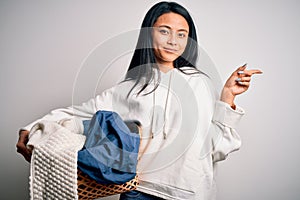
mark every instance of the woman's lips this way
{"type": "Point", "coordinates": [170, 50]}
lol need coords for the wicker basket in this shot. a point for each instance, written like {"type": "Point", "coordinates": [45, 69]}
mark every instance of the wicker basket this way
{"type": "Point", "coordinates": [90, 189]}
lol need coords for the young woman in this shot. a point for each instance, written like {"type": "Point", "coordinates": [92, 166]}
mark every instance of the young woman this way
{"type": "Point", "coordinates": [185, 129]}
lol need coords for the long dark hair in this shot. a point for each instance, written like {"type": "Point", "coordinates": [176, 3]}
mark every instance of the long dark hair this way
{"type": "Point", "coordinates": [142, 65]}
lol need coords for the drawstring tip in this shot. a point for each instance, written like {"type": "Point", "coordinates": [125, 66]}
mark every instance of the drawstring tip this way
{"type": "Point", "coordinates": [152, 135]}
{"type": "Point", "coordinates": [165, 135]}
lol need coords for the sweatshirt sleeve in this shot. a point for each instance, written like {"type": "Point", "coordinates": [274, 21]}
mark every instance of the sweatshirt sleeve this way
{"type": "Point", "coordinates": [83, 111]}
{"type": "Point", "coordinates": [227, 139]}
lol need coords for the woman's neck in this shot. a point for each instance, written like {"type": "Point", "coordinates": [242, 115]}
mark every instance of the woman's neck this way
{"type": "Point", "coordinates": [165, 67]}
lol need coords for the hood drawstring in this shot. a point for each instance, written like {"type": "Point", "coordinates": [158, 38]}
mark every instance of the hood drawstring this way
{"type": "Point", "coordinates": [165, 110]}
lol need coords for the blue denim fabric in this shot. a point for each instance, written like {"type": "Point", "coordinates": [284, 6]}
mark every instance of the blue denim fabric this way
{"type": "Point", "coordinates": [110, 152]}
{"type": "Point", "coordinates": [136, 195]}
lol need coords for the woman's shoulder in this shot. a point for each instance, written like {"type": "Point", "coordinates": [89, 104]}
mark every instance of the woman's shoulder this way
{"type": "Point", "coordinates": [120, 88]}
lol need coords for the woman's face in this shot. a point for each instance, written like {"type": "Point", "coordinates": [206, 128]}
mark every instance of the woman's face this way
{"type": "Point", "coordinates": [170, 36]}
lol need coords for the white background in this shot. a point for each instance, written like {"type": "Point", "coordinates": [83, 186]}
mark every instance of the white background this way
{"type": "Point", "coordinates": [43, 43]}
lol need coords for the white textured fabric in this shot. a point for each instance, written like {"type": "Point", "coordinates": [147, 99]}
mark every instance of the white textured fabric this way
{"type": "Point", "coordinates": [200, 130]}
{"type": "Point", "coordinates": [53, 172]}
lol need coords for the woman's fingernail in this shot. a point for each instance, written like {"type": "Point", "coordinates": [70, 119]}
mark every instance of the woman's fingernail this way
{"type": "Point", "coordinates": [240, 72]}
{"type": "Point", "coordinates": [238, 79]}
{"type": "Point", "coordinates": [244, 65]}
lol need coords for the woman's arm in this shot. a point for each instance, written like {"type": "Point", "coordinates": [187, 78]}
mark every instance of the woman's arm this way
{"type": "Point", "coordinates": [83, 111]}
{"type": "Point", "coordinates": [225, 138]}
{"type": "Point", "coordinates": [227, 115]}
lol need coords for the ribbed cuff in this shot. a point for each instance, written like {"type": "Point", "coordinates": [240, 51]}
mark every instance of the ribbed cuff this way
{"type": "Point", "coordinates": [225, 115]}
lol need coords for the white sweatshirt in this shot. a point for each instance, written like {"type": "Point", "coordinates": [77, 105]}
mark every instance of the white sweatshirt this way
{"type": "Point", "coordinates": [184, 132]}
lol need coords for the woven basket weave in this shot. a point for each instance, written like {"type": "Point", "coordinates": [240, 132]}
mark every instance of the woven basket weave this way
{"type": "Point", "coordinates": [90, 189]}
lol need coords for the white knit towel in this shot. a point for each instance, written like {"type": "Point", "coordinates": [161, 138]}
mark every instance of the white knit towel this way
{"type": "Point", "coordinates": [53, 171]}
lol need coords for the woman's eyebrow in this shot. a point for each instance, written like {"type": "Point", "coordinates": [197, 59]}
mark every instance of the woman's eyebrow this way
{"type": "Point", "coordinates": [168, 27]}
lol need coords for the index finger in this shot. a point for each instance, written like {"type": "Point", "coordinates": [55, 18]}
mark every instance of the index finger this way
{"type": "Point", "coordinates": [252, 71]}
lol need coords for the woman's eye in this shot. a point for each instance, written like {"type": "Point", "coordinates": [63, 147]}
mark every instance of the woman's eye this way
{"type": "Point", "coordinates": [164, 32]}
{"type": "Point", "coordinates": [181, 35]}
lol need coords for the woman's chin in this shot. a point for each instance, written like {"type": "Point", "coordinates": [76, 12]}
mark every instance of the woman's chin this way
{"type": "Point", "coordinates": [169, 57]}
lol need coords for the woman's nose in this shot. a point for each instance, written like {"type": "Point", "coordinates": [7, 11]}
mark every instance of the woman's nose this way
{"type": "Point", "coordinates": [172, 40]}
